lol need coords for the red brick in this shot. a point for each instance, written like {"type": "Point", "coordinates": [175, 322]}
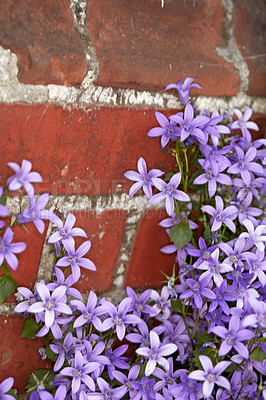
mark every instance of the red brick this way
{"type": "Point", "coordinates": [29, 260]}
{"type": "Point", "coordinates": [141, 45]}
{"type": "Point", "coordinates": [42, 35]}
{"type": "Point", "coordinates": [18, 356]}
{"type": "Point", "coordinates": [77, 151]}
{"type": "Point", "coordinates": [105, 230]}
{"type": "Point", "coordinates": [147, 262]}
{"type": "Point", "coordinates": [250, 35]}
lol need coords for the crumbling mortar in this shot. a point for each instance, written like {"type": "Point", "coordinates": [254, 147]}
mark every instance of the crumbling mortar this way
{"type": "Point", "coordinates": [229, 51]}
{"type": "Point", "coordinates": [12, 91]}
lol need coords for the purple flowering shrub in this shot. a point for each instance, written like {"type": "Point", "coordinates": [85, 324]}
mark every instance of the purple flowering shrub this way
{"type": "Point", "coordinates": [203, 336]}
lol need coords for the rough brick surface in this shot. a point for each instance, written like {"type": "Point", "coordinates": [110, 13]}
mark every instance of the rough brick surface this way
{"type": "Point", "coordinates": [105, 230]}
{"type": "Point", "coordinates": [42, 35]}
{"type": "Point", "coordinates": [77, 151]}
{"type": "Point", "coordinates": [141, 45]}
{"type": "Point", "coordinates": [147, 262]}
{"type": "Point", "coordinates": [250, 34]}
{"type": "Point", "coordinates": [29, 259]}
{"type": "Point", "coordinates": [18, 356]}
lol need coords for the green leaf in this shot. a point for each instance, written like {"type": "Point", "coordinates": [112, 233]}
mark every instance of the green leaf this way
{"type": "Point", "coordinates": [176, 306]}
{"type": "Point", "coordinates": [30, 328]}
{"type": "Point", "coordinates": [50, 354]}
{"type": "Point", "coordinates": [3, 200]}
{"type": "Point", "coordinates": [204, 337]}
{"type": "Point", "coordinates": [180, 234]}
{"type": "Point", "coordinates": [208, 351]}
{"type": "Point", "coordinates": [7, 287]}
{"type": "Point", "coordinates": [39, 376]}
{"type": "Point", "coordinates": [257, 354]}
{"type": "Point", "coordinates": [168, 176]}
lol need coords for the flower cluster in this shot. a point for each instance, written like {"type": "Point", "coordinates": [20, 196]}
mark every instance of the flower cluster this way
{"type": "Point", "coordinates": [203, 336]}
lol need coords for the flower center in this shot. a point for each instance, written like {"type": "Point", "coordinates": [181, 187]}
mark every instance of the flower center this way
{"type": "Point", "coordinates": [107, 395]}
{"type": "Point", "coordinates": [170, 190]}
{"type": "Point", "coordinates": [241, 165]}
{"type": "Point", "coordinates": [169, 131]}
{"type": "Point", "coordinates": [210, 378]}
{"type": "Point", "coordinates": [152, 355]}
{"type": "Point", "coordinates": [139, 307]}
{"type": "Point", "coordinates": [128, 385]}
{"type": "Point", "coordinates": [218, 217]}
{"type": "Point", "coordinates": [3, 247]}
{"type": "Point", "coordinates": [49, 305]}
{"type": "Point", "coordinates": [117, 320]}
{"type": "Point", "coordinates": [262, 318]}
{"type": "Point", "coordinates": [87, 315]}
{"type": "Point", "coordinates": [209, 174]}
{"type": "Point", "coordinates": [196, 287]}
{"type": "Point", "coordinates": [234, 258]}
{"type": "Point", "coordinates": [71, 259]}
{"type": "Point", "coordinates": [230, 340]}
{"type": "Point", "coordinates": [206, 255]}
{"type": "Point", "coordinates": [63, 233]}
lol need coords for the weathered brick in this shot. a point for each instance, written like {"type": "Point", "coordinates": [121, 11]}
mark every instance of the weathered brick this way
{"type": "Point", "coordinates": [18, 356]}
{"type": "Point", "coordinates": [105, 230]}
{"type": "Point", "coordinates": [250, 34]}
{"type": "Point", "coordinates": [141, 45]}
{"type": "Point", "coordinates": [29, 259]}
{"type": "Point", "coordinates": [147, 262]}
{"type": "Point", "coordinates": [77, 151]}
{"type": "Point", "coordinates": [42, 35]}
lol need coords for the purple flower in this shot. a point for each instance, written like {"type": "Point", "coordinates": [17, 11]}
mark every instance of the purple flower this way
{"type": "Point", "coordinates": [214, 270]}
{"type": "Point", "coordinates": [259, 317]}
{"type": "Point", "coordinates": [155, 353]}
{"type": "Point", "coordinates": [167, 377]}
{"type": "Point", "coordinates": [233, 337]}
{"type": "Point", "coordinates": [212, 179]}
{"type": "Point", "coordinates": [23, 177]}
{"type": "Point", "coordinates": [256, 236]}
{"type": "Point", "coordinates": [213, 129]}
{"type": "Point", "coordinates": [107, 392]}
{"type": "Point", "coordinates": [214, 158]}
{"type": "Point", "coordinates": [119, 317]}
{"type": "Point", "coordinates": [198, 289]}
{"type": "Point", "coordinates": [8, 249]}
{"type": "Point", "coordinates": [203, 254]}
{"type": "Point", "coordinates": [175, 220]}
{"type": "Point", "coordinates": [162, 302]}
{"type": "Point", "coordinates": [60, 394]}
{"type": "Point", "coordinates": [211, 375]}
{"type": "Point", "coordinates": [128, 381]}
{"type": "Point", "coordinates": [257, 266]}
{"type": "Point", "coordinates": [80, 372]}
{"type": "Point", "coordinates": [3, 210]}
{"type": "Point", "coordinates": [169, 192]}
{"type": "Point", "coordinates": [236, 256]}
{"type": "Point", "coordinates": [61, 280]}
{"type": "Point", "coordinates": [75, 258]}
{"type": "Point", "coordinates": [116, 359]}
{"type": "Point", "coordinates": [144, 387]}
{"type": "Point", "coordinates": [176, 334]}
{"type": "Point", "coordinates": [187, 389]}
{"type": "Point", "coordinates": [143, 178]}
{"type": "Point", "coordinates": [35, 213]}
{"type": "Point", "coordinates": [220, 215]}
{"type": "Point", "coordinates": [138, 304]}
{"type": "Point", "coordinates": [5, 386]}
{"type": "Point", "coordinates": [183, 89]}
{"type": "Point", "coordinates": [90, 312]}
{"type": "Point", "coordinates": [190, 125]}
{"type": "Point", "coordinates": [244, 211]}
{"type": "Point", "coordinates": [245, 165]}
{"type": "Point", "coordinates": [50, 304]}
{"type": "Point", "coordinates": [222, 296]}
{"type": "Point", "coordinates": [244, 124]}
{"type": "Point", "coordinates": [65, 232]}
{"type": "Point", "coordinates": [168, 131]}
{"type": "Point", "coordinates": [64, 351]}
{"type": "Point", "coordinates": [25, 293]}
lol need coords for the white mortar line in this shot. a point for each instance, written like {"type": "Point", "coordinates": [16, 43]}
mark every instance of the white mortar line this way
{"type": "Point", "coordinates": [12, 91]}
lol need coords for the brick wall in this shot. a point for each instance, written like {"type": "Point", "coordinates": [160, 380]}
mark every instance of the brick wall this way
{"type": "Point", "coordinates": [79, 84]}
